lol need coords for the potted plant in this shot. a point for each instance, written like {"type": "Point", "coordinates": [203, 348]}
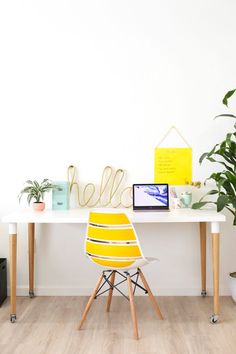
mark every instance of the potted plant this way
{"type": "Point", "coordinates": [36, 191]}
{"type": "Point", "coordinates": [223, 153]}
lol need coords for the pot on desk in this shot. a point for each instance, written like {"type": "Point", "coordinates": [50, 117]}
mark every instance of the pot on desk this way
{"type": "Point", "coordinates": [232, 285]}
{"type": "Point", "coordinates": [39, 206]}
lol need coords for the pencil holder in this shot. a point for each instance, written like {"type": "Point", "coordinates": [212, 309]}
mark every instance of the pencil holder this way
{"type": "Point", "coordinates": [176, 203]}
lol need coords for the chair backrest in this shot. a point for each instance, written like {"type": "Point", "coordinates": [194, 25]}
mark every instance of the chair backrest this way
{"type": "Point", "coordinates": [111, 240]}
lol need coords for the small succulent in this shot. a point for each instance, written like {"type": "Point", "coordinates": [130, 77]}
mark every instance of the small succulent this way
{"type": "Point", "coordinates": [36, 190]}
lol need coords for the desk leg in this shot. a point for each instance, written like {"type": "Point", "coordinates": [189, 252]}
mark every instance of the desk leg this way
{"type": "Point", "coordinates": [216, 267]}
{"type": "Point", "coordinates": [203, 256]}
{"type": "Point", "coordinates": [31, 241]}
{"type": "Point", "coordinates": [13, 253]}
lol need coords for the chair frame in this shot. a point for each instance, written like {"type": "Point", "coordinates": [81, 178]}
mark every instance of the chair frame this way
{"type": "Point", "coordinates": [110, 280]}
{"type": "Point", "coordinates": [108, 276]}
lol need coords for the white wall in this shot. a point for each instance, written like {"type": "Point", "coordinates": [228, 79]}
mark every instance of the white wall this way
{"type": "Point", "coordinates": [92, 83]}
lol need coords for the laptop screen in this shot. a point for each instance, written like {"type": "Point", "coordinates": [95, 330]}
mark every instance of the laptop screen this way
{"type": "Point", "coordinates": [150, 196]}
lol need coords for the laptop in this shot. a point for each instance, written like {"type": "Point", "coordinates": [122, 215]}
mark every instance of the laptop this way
{"type": "Point", "coordinates": [151, 197]}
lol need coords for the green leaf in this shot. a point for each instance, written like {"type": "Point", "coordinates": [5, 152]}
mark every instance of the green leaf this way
{"type": "Point", "coordinates": [215, 175]}
{"type": "Point", "coordinates": [225, 115]}
{"type": "Point", "coordinates": [228, 139]}
{"type": "Point", "coordinates": [199, 205]}
{"type": "Point", "coordinates": [29, 198]}
{"type": "Point", "coordinates": [221, 202]}
{"type": "Point", "coordinates": [226, 166]}
{"type": "Point", "coordinates": [225, 156]}
{"type": "Point", "coordinates": [36, 184]}
{"type": "Point", "coordinates": [45, 180]}
{"type": "Point", "coordinates": [203, 157]}
{"type": "Point", "coordinates": [232, 211]}
{"type": "Point", "coordinates": [232, 201]}
{"type": "Point", "coordinates": [211, 159]}
{"type": "Point", "coordinates": [213, 191]}
{"type": "Point", "coordinates": [232, 178]}
{"type": "Point", "coordinates": [208, 154]}
{"type": "Point", "coordinates": [227, 96]}
{"type": "Point", "coordinates": [224, 183]}
{"type": "Point", "coordinates": [26, 190]}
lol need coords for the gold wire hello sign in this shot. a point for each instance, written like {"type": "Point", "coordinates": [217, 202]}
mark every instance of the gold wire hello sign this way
{"type": "Point", "coordinates": [110, 192]}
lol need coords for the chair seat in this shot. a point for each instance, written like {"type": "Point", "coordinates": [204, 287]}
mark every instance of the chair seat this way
{"type": "Point", "coordinates": [137, 264]}
{"type": "Point", "coordinates": [141, 263]}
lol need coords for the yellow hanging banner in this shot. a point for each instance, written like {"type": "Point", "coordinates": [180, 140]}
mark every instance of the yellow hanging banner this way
{"type": "Point", "coordinates": [173, 165]}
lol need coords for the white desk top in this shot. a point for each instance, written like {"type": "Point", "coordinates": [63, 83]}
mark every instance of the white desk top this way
{"type": "Point", "coordinates": [80, 216]}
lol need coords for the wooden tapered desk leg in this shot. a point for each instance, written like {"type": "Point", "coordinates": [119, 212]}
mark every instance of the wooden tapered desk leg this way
{"type": "Point", "coordinates": [13, 253]}
{"type": "Point", "coordinates": [31, 241]}
{"type": "Point", "coordinates": [216, 268]}
{"type": "Point", "coordinates": [203, 256]}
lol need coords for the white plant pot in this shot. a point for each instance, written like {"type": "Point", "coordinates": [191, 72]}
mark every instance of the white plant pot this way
{"type": "Point", "coordinates": [232, 285]}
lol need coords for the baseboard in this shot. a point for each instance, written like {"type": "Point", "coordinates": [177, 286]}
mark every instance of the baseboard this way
{"type": "Point", "coordinates": [76, 291]}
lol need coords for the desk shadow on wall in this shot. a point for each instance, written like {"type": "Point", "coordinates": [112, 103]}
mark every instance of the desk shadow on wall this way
{"type": "Point", "coordinates": [59, 254]}
{"type": "Point", "coordinates": [178, 251]}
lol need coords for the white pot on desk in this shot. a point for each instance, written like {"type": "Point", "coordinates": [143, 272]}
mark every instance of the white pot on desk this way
{"type": "Point", "coordinates": [232, 285]}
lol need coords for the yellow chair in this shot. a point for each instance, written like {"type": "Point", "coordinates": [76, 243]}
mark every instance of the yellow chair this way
{"type": "Point", "coordinates": [112, 243]}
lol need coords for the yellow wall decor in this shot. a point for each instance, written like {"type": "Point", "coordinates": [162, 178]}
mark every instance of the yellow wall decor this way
{"type": "Point", "coordinates": [110, 193]}
{"type": "Point", "coordinates": [173, 165]}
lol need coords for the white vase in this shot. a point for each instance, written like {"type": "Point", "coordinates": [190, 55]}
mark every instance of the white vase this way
{"type": "Point", "coordinates": [232, 285]}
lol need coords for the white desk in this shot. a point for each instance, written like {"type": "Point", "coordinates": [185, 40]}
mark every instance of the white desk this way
{"type": "Point", "coordinates": [80, 216]}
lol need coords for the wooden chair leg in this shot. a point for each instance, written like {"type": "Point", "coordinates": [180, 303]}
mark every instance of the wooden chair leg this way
{"type": "Point", "coordinates": [151, 296]}
{"type": "Point", "coordinates": [111, 290]}
{"type": "Point", "coordinates": [132, 307]}
{"type": "Point", "coordinates": [92, 297]}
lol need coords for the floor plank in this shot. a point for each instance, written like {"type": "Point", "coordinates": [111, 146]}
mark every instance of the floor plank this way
{"type": "Point", "coordinates": [48, 325]}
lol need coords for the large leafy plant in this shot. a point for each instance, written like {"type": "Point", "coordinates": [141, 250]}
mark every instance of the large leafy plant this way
{"type": "Point", "coordinates": [36, 190]}
{"type": "Point", "coordinates": [223, 153]}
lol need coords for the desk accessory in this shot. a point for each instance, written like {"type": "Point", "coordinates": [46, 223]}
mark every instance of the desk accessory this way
{"type": "Point", "coordinates": [176, 203]}
{"type": "Point", "coordinates": [111, 192]}
{"type": "Point", "coordinates": [193, 184]}
{"type": "Point", "coordinates": [186, 199]}
{"type": "Point", "coordinates": [173, 192]}
{"type": "Point", "coordinates": [173, 165]}
{"type": "Point", "coordinates": [175, 199]}
{"type": "Point", "coordinates": [36, 191]}
{"type": "Point", "coordinates": [60, 195]}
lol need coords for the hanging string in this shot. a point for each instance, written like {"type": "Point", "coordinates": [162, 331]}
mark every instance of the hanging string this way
{"type": "Point", "coordinates": [178, 132]}
{"type": "Point", "coordinates": [108, 178]}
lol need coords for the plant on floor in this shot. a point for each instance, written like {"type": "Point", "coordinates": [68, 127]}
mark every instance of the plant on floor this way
{"type": "Point", "coordinates": [223, 153]}
{"type": "Point", "coordinates": [36, 191]}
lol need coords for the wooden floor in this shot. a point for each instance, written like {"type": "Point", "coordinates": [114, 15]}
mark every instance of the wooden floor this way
{"type": "Point", "coordinates": [48, 325]}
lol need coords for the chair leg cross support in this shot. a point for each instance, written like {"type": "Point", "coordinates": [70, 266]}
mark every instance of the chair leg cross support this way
{"type": "Point", "coordinates": [113, 286]}
{"type": "Point", "coordinates": [110, 280]}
